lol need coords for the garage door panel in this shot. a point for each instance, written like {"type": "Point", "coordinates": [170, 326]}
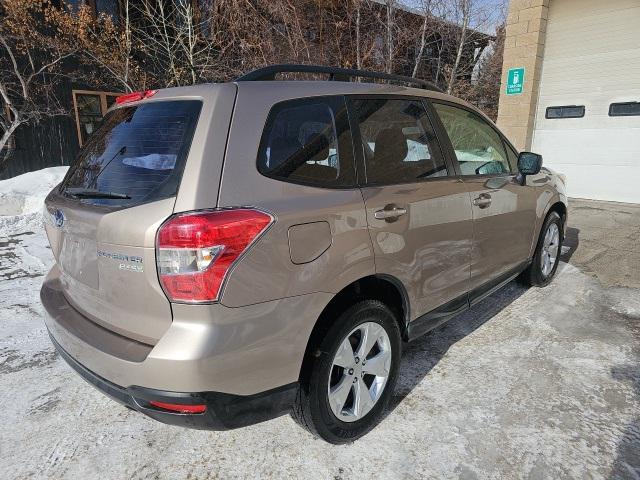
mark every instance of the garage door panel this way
{"type": "Point", "coordinates": [567, 10]}
{"type": "Point", "coordinates": [590, 147]}
{"type": "Point", "coordinates": [584, 73]}
{"type": "Point", "coordinates": [595, 182]}
{"type": "Point", "coordinates": [574, 33]}
{"type": "Point", "coordinates": [592, 58]}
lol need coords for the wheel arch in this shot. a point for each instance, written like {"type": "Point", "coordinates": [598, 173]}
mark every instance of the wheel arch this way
{"type": "Point", "coordinates": [385, 288]}
{"type": "Point", "coordinates": [560, 208]}
{"type": "Point", "coordinates": [557, 204]}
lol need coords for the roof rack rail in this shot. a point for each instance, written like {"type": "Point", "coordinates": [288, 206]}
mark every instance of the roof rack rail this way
{"type": "Point", "coordinates": [335, 73]}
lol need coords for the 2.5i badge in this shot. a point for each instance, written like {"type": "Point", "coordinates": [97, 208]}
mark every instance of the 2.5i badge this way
{"type": "Point", "coordinates": [131, 268]}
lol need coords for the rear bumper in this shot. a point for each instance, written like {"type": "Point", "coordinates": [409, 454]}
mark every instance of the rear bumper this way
{"type": "Point", "coordinates": [224, 411]}
{"type": "Point", "coordinates": [241, 352]}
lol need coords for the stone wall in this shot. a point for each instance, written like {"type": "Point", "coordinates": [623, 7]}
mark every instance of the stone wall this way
{"type": "Point", "coordinates": [524, 47]}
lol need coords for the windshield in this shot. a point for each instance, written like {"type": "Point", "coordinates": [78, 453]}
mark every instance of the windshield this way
{"type": "Point", "coordinates": [137, 155]}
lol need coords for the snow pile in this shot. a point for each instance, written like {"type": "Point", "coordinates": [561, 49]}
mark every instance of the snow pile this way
{"type": "Point", "coordinates": [25, 193]}
{"type": "Point", "coordinates": [22, 198]}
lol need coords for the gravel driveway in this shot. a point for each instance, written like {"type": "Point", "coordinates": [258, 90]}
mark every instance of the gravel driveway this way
{"type": "Point", "coordinates": [538, 383]}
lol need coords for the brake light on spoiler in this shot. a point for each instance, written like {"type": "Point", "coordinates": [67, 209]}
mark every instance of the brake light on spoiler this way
{"type": "Point", "coordinates": [196, 250]}
{"type": "Point", "coordinates": [135, 96]}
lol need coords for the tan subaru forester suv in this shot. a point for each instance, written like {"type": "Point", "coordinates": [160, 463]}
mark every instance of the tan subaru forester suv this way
{"type": "Point", "coordinates": [228, 253]}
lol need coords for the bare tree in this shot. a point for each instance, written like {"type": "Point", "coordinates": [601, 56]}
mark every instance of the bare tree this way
{"type": "Point", "coordinates": [484, 88]}
{"type": "Point", "coordinates": [472, 18]}
{"type": "Point", "coordinates": [365, 30]}
{"type": "Point", "coordinates": [156, 43]}
{"type": "Point", "coordinates": [29, 70]}
{"type": "Point", "coordinates": [464, 7]}
{"type": "Point", "coordinates": [176, 43]}
{"type": "Point", "coordinates": [106, 48]}
{"type": "Point", "coordinates": [427, 13]}
{"type": "Point", "coordinates": [390, 31]}
{"type": "Point", "coordinates": [358, 8]}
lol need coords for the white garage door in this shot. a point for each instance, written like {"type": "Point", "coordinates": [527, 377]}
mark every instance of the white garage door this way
{"type": "Point", "coordinates": [592, 59]}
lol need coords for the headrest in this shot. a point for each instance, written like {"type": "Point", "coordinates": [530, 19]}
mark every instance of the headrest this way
{"type": "Point", "coordinates": [390, 146]}
{"type": "Point", "coordinates": [318, 146]}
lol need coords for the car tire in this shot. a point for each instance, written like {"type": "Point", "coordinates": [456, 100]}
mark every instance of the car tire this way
{"type": "Point", "coordinates": [544, 265]}
{"type": "Point", "coordinates": [319, 407]}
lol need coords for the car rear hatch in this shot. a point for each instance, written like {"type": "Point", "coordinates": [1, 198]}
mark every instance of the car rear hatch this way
{"type": "Point", "coordinates": [103, 218]}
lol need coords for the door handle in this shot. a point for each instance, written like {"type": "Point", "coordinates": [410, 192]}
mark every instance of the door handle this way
{"type": "Point", "coordinates": [483, 200]}
{"type": "Point", "coordinates": [390, 213]}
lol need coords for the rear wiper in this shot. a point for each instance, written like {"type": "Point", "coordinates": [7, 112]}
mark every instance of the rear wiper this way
{"type": "Point", "coordinates": [94, 193]}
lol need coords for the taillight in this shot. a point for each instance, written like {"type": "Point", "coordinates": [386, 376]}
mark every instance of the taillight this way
{"type": "Point", "coordinates": [196, 250]}
{"type": "Point", "coordinates": [135, 96]}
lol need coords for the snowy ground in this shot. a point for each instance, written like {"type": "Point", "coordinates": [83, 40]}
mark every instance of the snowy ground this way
{"type": "Point", "coordinates": [529, 384]}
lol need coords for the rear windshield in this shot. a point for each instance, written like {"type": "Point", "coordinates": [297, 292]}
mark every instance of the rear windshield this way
{"type": "Point", "coordinates": [137, 155]}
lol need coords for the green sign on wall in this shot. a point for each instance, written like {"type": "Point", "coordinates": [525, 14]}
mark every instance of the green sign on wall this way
{"type": "Point", "coordinates": [515, 81]}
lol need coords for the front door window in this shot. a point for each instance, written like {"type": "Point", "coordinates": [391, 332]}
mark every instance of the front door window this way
{"type": "Point", "coordinates": [478, 148]}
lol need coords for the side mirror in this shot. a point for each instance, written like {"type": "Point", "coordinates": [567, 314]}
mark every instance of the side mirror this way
{"type": "Point", "coordinates": [528, 164]}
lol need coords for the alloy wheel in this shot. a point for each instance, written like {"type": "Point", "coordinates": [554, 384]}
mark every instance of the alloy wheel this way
{"type": "Point", "coordinates": [550, 249]}
{"type": "Point", "coordinates": [359, 372]}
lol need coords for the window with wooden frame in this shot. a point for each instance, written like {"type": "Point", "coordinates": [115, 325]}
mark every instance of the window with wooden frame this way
{"type": "Point", "coordinates": [89, 108]}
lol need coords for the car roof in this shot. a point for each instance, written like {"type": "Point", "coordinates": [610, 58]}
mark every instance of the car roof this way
{"type": "Point", "coordinates": [281, 90]}
{"type": "Point", "coordinates": [311, 88]}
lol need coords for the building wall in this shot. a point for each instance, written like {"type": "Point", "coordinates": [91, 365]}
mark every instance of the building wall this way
{"type": "Point", "coordinates": [524, 47]}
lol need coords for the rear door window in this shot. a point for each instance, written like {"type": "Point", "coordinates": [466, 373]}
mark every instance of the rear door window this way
{"type": "Point", "coordinates": [308, 141]}
{"type": "Point", "coordinates": [397, 141]}
{"type": "Point", "coordinates": [135, 156]}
